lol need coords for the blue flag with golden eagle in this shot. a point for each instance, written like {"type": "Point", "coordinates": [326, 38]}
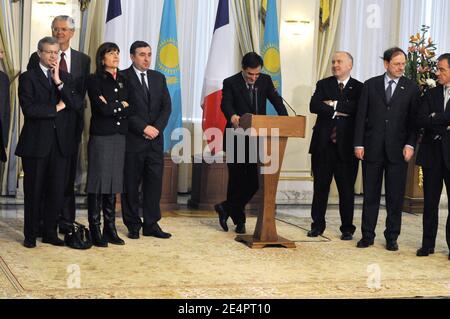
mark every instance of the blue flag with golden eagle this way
{"type": "Point", "coordinates": [270, 50]}
{"type": "Point", "coordinates": [167, 62]}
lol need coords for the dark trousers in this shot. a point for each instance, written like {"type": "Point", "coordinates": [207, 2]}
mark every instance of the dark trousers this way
{"type": "Point", "coordinates": [67, 213]}
{"type": "Point", "coordinates": [243, 183]}
{"type": "Point", "coordinates": [44, 179]}
{"type": "Point", "coordinates": [324, 166]}
{"type": "Point", "coordinates": [395, 183]}
{"type": "Point", "coordinates": [433, 179]}
{"type": "Point", "coordinates": [146, 168]}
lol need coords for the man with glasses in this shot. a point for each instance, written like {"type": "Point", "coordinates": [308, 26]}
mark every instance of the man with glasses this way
{"type": "Point", "coordinates": [78, 65]}
{"type": "Point", "coordinates": [49, 105]}
{"type": "Point", "coordinates": [5, 112]}
{"type": "Point", "coordinates": [434, 154]}
{"type": "Point", "coordinates": [245, 92]}
{"type": "Point", "coordinates": [385, 137]}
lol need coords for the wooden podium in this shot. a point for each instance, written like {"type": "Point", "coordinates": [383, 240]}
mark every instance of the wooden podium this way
{"type": "Point", "coordinates": [265, 232]}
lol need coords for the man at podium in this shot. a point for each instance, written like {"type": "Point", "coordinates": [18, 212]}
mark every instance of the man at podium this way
{"type": "Point", "coordinates": [245, 92]}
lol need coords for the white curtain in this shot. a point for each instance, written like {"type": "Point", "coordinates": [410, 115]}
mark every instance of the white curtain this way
{"type": "Point", "coordinates": [433, 13]}
{"type": "Point", "coordinates": [195, 22]}
{"type": "Point", "coordinates": [367, 29]}
{"type": "Point", "coordinates": [195, 25]}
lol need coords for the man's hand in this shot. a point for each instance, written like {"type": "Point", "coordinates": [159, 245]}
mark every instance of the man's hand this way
{"type": "Point", "coordinates": [235, 120]}
{"type": "Point", "coordinates": [60, 106]}
{"type": "Point", "coordinates": [359, 153]}
{"type": "Point", "coordinates": [55, 73]}
{"type": "Point", "coordinates": [151, 132]}
{"type": "Point", "coordinates": [328, 102]}
{"type": "Point", "coordinates": [408, 153]}
{"type": "Point", "coordinates": [125, 104]}
{"type": "Point", "coordinates": [101, 97]}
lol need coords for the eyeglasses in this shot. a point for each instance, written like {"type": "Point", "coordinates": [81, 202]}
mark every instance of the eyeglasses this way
{"type": "Point", "coordinates": [61, 30]}
{"type": "Point", "coordinates": [50, 52]}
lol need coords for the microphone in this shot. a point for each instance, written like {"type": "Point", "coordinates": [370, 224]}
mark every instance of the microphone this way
{"type": "Point", "coordinates": [289, 106]}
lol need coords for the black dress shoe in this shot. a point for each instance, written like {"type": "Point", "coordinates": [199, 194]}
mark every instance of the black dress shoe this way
{"type": "Point", "coordinates": [364, 243]}
{"type": "Point", "coordinates": [29, 243]}
{"type": "Point", "coordinates": [157, 232]}
{"type": "Point", "coordinates": [132, 234]}
{"type": "Point", "coordinates": [223, 216]}
{"type": "Point", "coordinates": [346, 236]}
{"type": "Point", "coordinates": [448, 256]}
{"type": "Point", "coordinates": [423, 251]}
{"type": "Point", "coordinates": [240, 228]}
{"type": "Point", "coordinates": [55, 241]}
{"type": "Point", "coordinates": [315, 232]}
{"type": "Point", "coordinates": [392, 245]}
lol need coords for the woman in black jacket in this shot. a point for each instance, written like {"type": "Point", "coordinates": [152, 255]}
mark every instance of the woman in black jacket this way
{"type": "Point", "coordinates": [108, 94]}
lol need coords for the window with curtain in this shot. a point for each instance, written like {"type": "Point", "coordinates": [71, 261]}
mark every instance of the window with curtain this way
{"type": "Point", "coordinates": [195, 25]}
{"type": "Point", "coordinates": [368, 27]}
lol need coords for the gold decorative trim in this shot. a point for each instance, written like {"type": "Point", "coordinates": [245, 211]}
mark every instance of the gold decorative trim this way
{"type": "Point", "coordinates": [84, 4]}
{"type": "Point", "coordinates": [300, 179]}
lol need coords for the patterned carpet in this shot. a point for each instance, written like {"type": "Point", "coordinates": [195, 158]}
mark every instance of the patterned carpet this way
{"type": "Point", "coordinates": [200, 261]}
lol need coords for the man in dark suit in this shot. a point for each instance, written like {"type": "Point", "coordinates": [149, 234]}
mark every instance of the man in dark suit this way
{"type": "Point", "coordinates": [78, 65]}
{"type": "Point", "coordinates": [5, 112]}
{"type": "Point", "coordinates": [144, 159]}
{"type": "Point", "coordinates": [47, 140]}
{"type": "Point", "coordinates": [434, 154]}
{"type": "Point", "coordinates": [334, 101]}
{"type": "Point", "coordinates": [385, 137]}
{"type": "Point", "coordinates": [245, 92]}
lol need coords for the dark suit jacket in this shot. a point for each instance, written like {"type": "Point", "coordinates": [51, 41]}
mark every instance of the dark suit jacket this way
{"type": "Point", "coordinates": [385, 128]}
{"type": "Point", "coordinates": [433, 102]}
{"type": "Point", "coordinates": [5, 114]}
{"type": "Point", "coordinates": [328, 89]}
{"type": "Point", "coordinates": [236, 98]}
{"type": "Point", "coordinates": [110, 118]}
{"type": "Point", "coordinates": [38, 102]}
{"type": "Point", "coordinates": [80, 65]}
{"type": "Point", "coordinates": [151, 110]}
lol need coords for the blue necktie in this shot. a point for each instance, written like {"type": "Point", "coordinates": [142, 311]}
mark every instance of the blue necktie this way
{"type": "Point", "coordinates": [49, 77]}
{"type": "Point", "coordinates": [389, 91]}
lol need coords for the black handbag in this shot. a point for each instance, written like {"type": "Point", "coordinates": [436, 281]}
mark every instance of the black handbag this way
{"type": "Point", "coordinates": [78, 236]}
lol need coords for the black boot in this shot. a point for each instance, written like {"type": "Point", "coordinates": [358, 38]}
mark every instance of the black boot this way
{"type": "Point", "coordinates": [109, 216]}
{"type": "Point", "coordinates": [94, 206]}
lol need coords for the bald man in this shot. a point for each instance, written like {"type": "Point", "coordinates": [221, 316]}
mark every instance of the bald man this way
{"type": "Point", "coordinates": [334, 101]}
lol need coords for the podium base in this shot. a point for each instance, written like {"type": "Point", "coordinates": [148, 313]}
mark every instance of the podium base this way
{"type": "Point", "coordinates": [254, 243]}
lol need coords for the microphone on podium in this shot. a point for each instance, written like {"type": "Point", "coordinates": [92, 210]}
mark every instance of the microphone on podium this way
{"type": "Point", "coordinates": [289, 105]}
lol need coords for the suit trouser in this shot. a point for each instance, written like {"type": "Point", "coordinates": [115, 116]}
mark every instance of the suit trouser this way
{"type": "Point", "coordinates": [243, 184]}
{"type": "Point", "coordinates": [146, 167]}
{"type": "Point", "coordinates": [67, 213]}
{"type": "Point", "coordinates": [324, 166]}
{"type": "Point", "coordinates": [395, 183]}
{"type": "Point", "coordinates": [433, 179]}
{"type": "Point", "coordinates": [44, 179]}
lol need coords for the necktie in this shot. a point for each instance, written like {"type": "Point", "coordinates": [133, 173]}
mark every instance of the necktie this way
{"type": "Point", "coordinates": [49, 77]}
{"type": "Point", "coordinates": [252, 93]}
{"type": "Point", "coordinates": [341, 87]}
{"type": "Point", "coordinates": [446, 96]}
{"type": "Point", "coordinates": [63, 63]}
{"type": "Point", "coordinates": [144, 84]}
{"type": "Point", "coordinates": [389, 91]}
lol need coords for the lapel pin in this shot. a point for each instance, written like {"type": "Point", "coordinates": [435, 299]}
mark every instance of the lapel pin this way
{"type": "Point", "coordinates": [402, 87]}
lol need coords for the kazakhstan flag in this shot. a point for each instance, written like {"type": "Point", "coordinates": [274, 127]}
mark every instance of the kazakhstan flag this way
{"type": "Point", "coordinates": [167, 62]}
{"type": "Point", "coordinates": [271, 50]}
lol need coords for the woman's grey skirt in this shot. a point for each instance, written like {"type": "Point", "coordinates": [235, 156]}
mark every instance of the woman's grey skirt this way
{"type": "Point", "coordinates": [106, 158]}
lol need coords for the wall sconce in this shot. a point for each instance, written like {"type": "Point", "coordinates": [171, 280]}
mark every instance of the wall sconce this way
{"type": "Point", "coordinates": [297, 27]}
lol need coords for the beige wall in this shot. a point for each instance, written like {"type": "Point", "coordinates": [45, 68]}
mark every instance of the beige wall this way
{"type": "Point", "coordinates": [298, 54]}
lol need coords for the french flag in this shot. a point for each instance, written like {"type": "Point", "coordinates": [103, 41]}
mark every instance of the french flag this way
{"type": "Point", "coordinates": [116, 30]}
{"type": "Point", "coordinates": [223, 62]}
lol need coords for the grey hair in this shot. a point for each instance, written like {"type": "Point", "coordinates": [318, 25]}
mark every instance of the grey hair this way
{"type": "Point", "coordinates": [46, 40]}
{"type": "Point", "coordinates": [69, 20]}
{"type": "Point", "coordinates": [347, 54]}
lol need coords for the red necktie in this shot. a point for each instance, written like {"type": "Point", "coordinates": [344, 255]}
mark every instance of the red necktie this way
{"type": "Point", "coordinates": [63, 63]}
